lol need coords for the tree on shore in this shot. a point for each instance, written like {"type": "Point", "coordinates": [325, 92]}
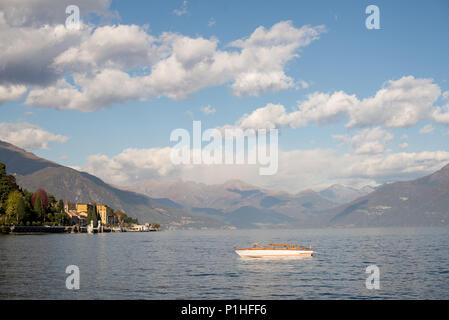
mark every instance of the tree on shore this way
{"type": "Point", "coordinates": [42, 194]}
{"type": "Point", "coordinates": [92, 215]}
{"type": "Point", "coordinates": [7, 185]}
{"type": "Point", "coordinates": [21, 214]}
{"type": "Point", "coordinates": [123, 219]}
{"type": "Point", "coordinates": [60, 206]}
{"type": "Point", "coordinates": [39, 209]}
{"type": "Point", "coordinates": [15, 208]}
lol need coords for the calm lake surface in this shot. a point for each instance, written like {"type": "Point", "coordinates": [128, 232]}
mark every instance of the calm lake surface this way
{"type": "Point", "coordinates": [413, 263]}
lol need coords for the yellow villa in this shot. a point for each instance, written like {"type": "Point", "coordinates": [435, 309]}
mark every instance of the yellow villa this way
{"type": "Point", "coordinates": [82, 209]}
{"type": "Point", "coordinates": [106, 214]}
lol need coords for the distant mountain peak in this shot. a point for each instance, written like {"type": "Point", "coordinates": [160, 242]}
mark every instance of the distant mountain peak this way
{"type": "Point", "coordinates": [342, 194]}
{"type": "Point", "coordinates": [237, 184]}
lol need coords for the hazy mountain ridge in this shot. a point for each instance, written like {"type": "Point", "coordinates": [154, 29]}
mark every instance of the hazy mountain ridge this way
{"type": "Point", "coordinates": [423, 201]}
{"type": "Point", "coordinates": [236, 197]}
{"type": "Point", "coordinates": [342, 194]}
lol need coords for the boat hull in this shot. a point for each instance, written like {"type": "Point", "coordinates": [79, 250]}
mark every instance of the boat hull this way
{"type": "Point", "coordinates": [260, 253]}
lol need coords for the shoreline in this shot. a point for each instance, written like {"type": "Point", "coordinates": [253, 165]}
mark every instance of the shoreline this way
{"type": "Point", "coordinates": [63, 229]}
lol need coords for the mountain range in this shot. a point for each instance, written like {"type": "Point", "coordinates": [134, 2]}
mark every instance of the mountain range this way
{"type": "Point", "coordinates": [182, 204]}
{"type": "Point", "coordinates": [423, 201]}
{"type": "Point", "coordinates": [244, 205]}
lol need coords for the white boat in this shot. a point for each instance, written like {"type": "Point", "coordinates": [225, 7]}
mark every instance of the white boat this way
{"type": "Point", "coordinates": [274, 250]}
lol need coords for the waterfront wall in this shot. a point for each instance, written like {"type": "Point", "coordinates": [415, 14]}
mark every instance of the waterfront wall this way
{"type": "Point", "coordinates": [37, 229]}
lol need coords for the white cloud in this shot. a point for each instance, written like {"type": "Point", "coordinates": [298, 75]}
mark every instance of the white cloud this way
{"type": "Point", "coordinates": [12, 92]}
{"type": "Point", "coordinates": [27, 53]}
{"type": "Point", "coordinates": [119, 47]}
{"type": "Point", "coordinates": [251, 83]}
{"type": "Point", "coordinates": [170, 65]}
{"type": "Point", "coordinates": [403, 145]}
{"type": "Point", "coordinates": [427, 129]}
{"type": "Point", "coordinates": [37, 13]}
{"type": "Point", "coordinates": [208, 110]}
{"type": "Point", "coordinates": [108, 87]}
{"type": "Point", "coordinates": [368, 141]}
{"type": "Point", "coordinates": [269, 117]}
{"type": "Point", "coordinates": [441, 114]}
{"type": "Point", "coordinates": [265, 53]}
{"type": "Point", "coordinates": [28, 136]}
{"type": "Point", "coordinates": [132, 165]}
{"type": "Point", "coordinates": [182, 10]}
{"type": "Point", "coordinates": [400, 103]}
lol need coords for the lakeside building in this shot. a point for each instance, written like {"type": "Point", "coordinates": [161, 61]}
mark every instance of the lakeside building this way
{"type": "Point", "coordinates": [78, 213]}
{"type": "Point", "coordinates": [107, 215]}
{"type": "Point", "coordinates": [82, 209]}
{"type": "Point", "coordinates": [71, 209]}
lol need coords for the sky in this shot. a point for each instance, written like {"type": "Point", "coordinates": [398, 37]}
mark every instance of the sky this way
{"type": "Point", "coordinates": [353, 106]}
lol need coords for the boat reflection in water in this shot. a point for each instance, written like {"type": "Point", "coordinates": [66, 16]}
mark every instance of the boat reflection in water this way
{"type": "Point", "coordinates": [276, 251]}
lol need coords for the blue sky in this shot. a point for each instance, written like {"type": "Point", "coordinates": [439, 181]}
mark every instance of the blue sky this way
{"type": "Point", "coordinates": [347, 57]}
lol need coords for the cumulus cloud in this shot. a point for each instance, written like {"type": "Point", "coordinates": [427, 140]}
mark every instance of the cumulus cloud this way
{"type": "Point", "coordinates": [108, 87]}
{"type": "Point", "coordinates": [37, 13]}
{"type": "Point", "coordinates": [28, 136]}
{"type": "Point", "coordinates": [367, 141]}
{"type": "Point", "coordinates": [119, 46]}
{"type": "Point", "coordinates": [400, 103]}
{"type": "Point", "coordinates": [12, 92]}
{"type": "Point", "coordinates": [441, 114]}
{"type": "Point", "coordinates": [132, 165]}
{"type": "Point", "coordinates": [427, 129]}
{"type": "Point", "coordinates": [27, 54]}
{"type": "Point", "coordinates": [37, 51]}
{"type": "Point", "coordinates": [265, 53]}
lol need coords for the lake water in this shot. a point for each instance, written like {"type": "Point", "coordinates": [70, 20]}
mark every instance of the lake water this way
{"type": "Point", "coordinates": [413, 264]}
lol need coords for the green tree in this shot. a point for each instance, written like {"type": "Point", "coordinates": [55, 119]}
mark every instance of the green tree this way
{"type": "Point", "coordinates": [22, 216]}
{"type": "Point", "coordinates": [61, 218]}
{"type": "Point", "coordinates": [15, 208]}
{"type": "Point", "coordinates": [51, 199]}
{"type": "Point", "coordinates": [92, 215]}
{"type": "Point", "coordinates": [7, 185]}
{"type": "Point", "coordinates": [39, 209]}
{"type": "Point", "coordinates": [60, 206]}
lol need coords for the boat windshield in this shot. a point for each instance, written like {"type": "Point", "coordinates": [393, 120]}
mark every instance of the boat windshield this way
{"type": "Point", "coordinates": [283, 245]}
